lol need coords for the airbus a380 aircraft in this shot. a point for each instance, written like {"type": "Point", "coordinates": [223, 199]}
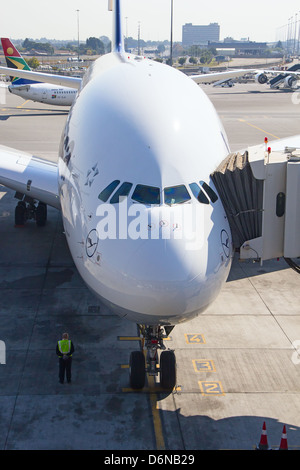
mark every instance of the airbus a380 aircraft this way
{"type": "Point", "coordinates": [144, 222]}
{"type": "Point", "coordinates": [33, 90]}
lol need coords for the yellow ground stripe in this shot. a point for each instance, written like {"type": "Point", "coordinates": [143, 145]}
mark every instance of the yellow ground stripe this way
{"type": "Point", "coordinates": [159, 437]}
{"type": "Point", "coordinates": [258, 128]}
{"type": "Point", "coordinates": [21, 105]}
{"type": "Point", "coordinates": [129, 338]}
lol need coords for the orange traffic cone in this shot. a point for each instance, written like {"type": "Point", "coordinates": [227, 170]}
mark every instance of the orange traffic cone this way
{"type": "Point", "coordinates": [283, 442]}
{"type": "Point", "coordinates": [263, 444]}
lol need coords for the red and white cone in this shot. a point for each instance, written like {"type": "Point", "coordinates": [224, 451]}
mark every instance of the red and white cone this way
{"type": "Point", "coordinates": [263, 444]}
{"type": "Point", "coordinates": [283, 442]}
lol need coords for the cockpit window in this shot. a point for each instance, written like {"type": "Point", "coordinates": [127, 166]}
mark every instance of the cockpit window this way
{"type": "Point", "coordinates": [209, 191]}
{"type": "Point", "coordinates": [198, 193]}
{"type": "Point", "coordinates": [107, 192]}
{"type": "Point", "coordinates": [123, 191]}
{"type": "Point", "coordinates": [176, 195]}
{"type": "Point", "coordinates": [146, 194]}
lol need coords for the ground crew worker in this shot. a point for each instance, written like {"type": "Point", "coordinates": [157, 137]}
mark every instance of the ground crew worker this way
{"type": "Point", "coordinates": [64, 350]}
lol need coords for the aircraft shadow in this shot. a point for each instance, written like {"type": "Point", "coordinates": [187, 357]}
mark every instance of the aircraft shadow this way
{"type": "Point", "coordinates": [242, 269]}
{"type": "Point", "coordinates": [4, 117]}
{"type": "Point", "coordinates": [256, 92]}
{"type": "Point", "coordinates": [243, 432]}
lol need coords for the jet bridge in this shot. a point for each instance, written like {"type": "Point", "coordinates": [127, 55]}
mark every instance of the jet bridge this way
{"type": "Point", "coordinates": [260, 190]}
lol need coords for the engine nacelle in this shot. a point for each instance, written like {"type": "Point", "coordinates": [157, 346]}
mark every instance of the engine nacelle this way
{"type": "Point", "coordinates": [261, 78]}
{"type": "Point", "coordinates": [290, 81]}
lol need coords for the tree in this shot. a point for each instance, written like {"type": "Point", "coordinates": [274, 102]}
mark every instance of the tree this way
{"type": "Point", "coordinates": [45, 47]}
{"type": "Point", "coordinates": [206, 56]}
{"type": "Point", "coordinates": [33, 63]}
{"type": "Point", "coordinates": [182, 60]}
{"type": "Point", "coordinates": [96, 45]}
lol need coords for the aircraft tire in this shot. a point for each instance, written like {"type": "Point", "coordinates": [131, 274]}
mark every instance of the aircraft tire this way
{"type": "Point", "coordinates": [20, 212]}
{"type": "Point", "coordinates": [137, 370]}
{"type": "Point", "coordinates": [168, 370]}
{"type": "Point", "coordinates": [41, 214]}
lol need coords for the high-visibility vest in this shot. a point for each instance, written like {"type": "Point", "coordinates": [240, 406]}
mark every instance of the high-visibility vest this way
{"type": "Point", "coordinates": [64, 346]}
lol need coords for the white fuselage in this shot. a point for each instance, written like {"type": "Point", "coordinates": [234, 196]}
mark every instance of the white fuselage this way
{"type": "Point", "coordinates": [144, 123]}
{"type": "Point", "coordinates": [45, 93]}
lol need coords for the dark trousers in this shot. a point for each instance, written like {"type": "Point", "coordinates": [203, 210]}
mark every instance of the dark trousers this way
{"type": "Point", "coordinates": [65, 368]}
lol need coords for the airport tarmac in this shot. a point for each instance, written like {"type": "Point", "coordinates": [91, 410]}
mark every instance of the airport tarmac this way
{"type": "Point", "coordinates": [236, 365]}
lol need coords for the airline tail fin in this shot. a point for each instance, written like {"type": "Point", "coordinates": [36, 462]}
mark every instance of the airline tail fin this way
{"type": "Point", "coordinates": [118, 37]}
{"type": "Point", "coordinates": [14, 60]}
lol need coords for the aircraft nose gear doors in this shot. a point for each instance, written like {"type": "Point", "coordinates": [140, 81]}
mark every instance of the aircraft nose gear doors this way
{"type": "Point", "coordinates": [151, 363]}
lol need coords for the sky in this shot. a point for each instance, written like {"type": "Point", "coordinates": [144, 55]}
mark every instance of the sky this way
{"type": "Point", "coordinates": [258, 20]}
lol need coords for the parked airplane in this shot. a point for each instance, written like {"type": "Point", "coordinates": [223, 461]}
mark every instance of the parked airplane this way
{"type": "Point", "coordinates": [33, 90]}
{"type": "Point", "coordinates": [144, 222]}
{"type": "Point", "coordinates": [287, 78]}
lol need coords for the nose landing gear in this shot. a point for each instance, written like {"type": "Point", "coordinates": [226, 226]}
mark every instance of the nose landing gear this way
{"type": "Point", "coordinates": [28, 209]}
{"type": "Point", "coordinates": [151, 363]}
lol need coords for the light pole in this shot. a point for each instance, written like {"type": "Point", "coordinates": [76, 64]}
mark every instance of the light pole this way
{"type": "Point", "coordinates": [171, 40]}
{"type": "Point", "coordinates": [139, 38]}
{"type": "Point", "coordinates": [78, 30]}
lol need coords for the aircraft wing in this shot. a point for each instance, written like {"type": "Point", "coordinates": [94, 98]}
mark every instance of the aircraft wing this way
{"type": "Point", "coordinates": [29, 175]}
{"type": "Point", "coordinates": [213, 77]}
{"type": "Point", "coordinates": [289, 142]}
{"type": "Point", "coordinates": [60, 80]}
{"type": "Point", "coordinates": [278, 72]}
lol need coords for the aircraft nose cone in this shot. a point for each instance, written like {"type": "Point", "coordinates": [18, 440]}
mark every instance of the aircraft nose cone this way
{"type": "Point", "coordinates": [165, 276]}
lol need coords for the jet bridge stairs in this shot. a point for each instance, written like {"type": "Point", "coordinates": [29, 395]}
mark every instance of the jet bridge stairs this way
{"type": "Point", "coordinates": [260, 191]}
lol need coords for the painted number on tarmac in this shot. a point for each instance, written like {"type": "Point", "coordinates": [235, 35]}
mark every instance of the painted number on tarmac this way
{"type": "Point", "coordinates": [211, 388]}
{"type": "Point", "coordinates": [204, 365]}
{"type": "Point", "coordinates": [194, 339]}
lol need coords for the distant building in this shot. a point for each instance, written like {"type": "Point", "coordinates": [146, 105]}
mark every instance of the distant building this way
{"type": "Point", "coordinates": [239, 47]}
{"type": "Point", "coordinates": [195, 35]}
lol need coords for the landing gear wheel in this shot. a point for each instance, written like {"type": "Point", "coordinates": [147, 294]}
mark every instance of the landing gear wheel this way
{"type": "Point", "coordinates": [137, 369]}
{"type": "Point", "coordinates": [20, 212]}
{"type": "Point", "coordinates": [168, 370]}
{"type": "Point", "coordinates": [41, 214]}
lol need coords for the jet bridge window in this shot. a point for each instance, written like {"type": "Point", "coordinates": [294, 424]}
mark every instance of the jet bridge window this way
{"type": "Point", "coordinates": [107, 192]}
{"type": "Point", "coordinates": [176, 195]}
{"type": "Point", "coordinates": [123, 191]}
{"type": "Point", "coordinates": [146, 194]}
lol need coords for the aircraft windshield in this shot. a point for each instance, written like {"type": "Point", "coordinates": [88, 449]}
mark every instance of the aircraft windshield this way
{"type": "Point", "coordinates": [203, 194]}
{"type": "Point", "coordinates": [198, 193]}
{"type": "Point", "coordinates": [176, 195]}
{"type": "Point", "coordinates": [209, 191]}
{"type": "Point", "coordinates": [146, 194]}
{"type": "Point", "coordinates": [107, 192]}
{"type": "Point", "coordinates": [123, 191]}
{"type": "Point", "coordinates": [150, 195]}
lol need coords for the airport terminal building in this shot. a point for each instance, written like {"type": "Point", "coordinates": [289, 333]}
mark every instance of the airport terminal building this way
{"type": "Point", "coordinates": [200, 34]}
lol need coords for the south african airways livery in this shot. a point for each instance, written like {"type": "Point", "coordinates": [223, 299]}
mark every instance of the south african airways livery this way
{"type": "Point", "coordinates": [31, 89]}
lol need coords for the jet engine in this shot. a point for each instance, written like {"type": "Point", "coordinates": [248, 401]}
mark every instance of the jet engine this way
{"type": "Point", "coordinates": [261, 78]}
{"type": "Point", "coordinates": [290, 81]}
